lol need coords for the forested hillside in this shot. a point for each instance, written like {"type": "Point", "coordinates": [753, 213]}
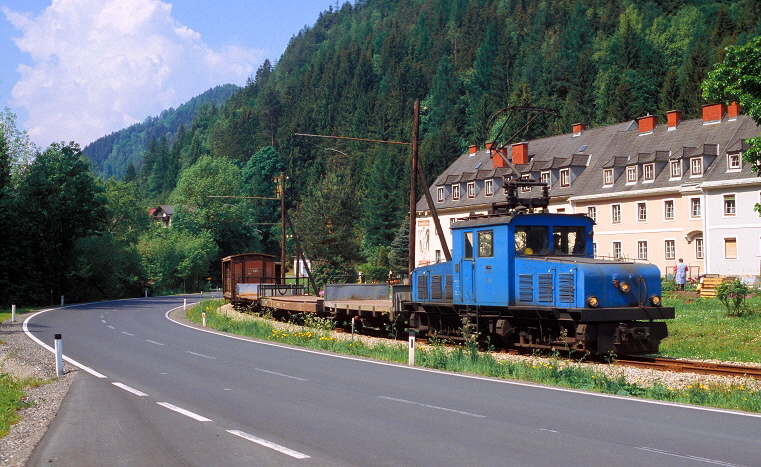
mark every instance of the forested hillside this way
{"type": "Point", "coordinates": [356, 72]}
{"type": "Point", "coordinates": [114, 153]}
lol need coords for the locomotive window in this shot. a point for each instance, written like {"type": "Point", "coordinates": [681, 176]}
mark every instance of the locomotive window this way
{"type": "Point", "coordinates": [468, 245]}
{"type": "Point", "coordinates": [486, 244]}
{"type": "Point", "coordinates": [531, 240]}
{"type": "Point", "coordinates": [568, 241]}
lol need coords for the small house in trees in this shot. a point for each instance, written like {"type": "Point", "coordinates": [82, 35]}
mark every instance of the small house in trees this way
{"type": "Point", "coordinates": [162, 214]}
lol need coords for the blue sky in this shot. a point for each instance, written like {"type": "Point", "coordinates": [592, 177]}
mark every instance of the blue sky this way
{"type": "Point", "coordinates": [76, 70]}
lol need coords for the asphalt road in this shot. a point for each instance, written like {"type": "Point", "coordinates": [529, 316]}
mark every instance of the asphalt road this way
{"type": "Point", "coordinates": [163, 394]}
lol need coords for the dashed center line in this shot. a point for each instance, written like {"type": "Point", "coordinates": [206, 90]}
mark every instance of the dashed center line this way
{"type": "Point", "coordinates": [281, 374]}
{"type": "Point", "coordinates": [200, 355]}
{"type": "Point", "coordinates": [187, 413]}
{"type": "Point", "coordinates": [111, 327]}
{"type": "Point", "coordinates": [433, 407]}
{"type": "Point", "coordinates": [132, 390]}
{"type": "Point", "coordinates": [699, 459]}
{"type": "Point", "coordinates": [269, 444]}
{"type": "Point", "coordinates": [125, 332]}
{"type": "Point", "coordinates": [153, 342]}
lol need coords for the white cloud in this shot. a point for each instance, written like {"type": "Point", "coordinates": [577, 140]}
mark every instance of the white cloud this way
{"type": "Point", "coordinates": [100, 65]}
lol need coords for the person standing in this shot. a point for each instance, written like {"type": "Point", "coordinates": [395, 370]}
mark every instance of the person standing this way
{"type": "Point", "coordinates": [680, 276]}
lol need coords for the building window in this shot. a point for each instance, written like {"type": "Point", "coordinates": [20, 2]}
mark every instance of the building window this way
{"type": "Point", "coordinates": [486, 244]}
{"type": "Point", "coordinates": [455, 191]}
{"type": "Point", "coordinates": [592, 212]}
{"type": "Point", "coordinates": [565, 177]}
{"type": "Point", "coordinates": [489, 187]}
{"type": "Point", "coordinates": [696, 166]}
{"type": "Point", "coordinates": [616, 213]}
{"type": "Point", "coordinates": [471, 189]}
{"type": "Point", "coordinates": [733, 161]}
{"type": "Point", "coordinates": [438, 256]}
{"type": "Point", "coordinates": [641, 212]}
{"type": "Point", "coordinates": [730, 248]}
{"type": "Point", "coordinates": [526, 178]}
{"type": "Point", "coordinates": [695, 210]}
{"type": "Point", "coordinates": [594, 249]}
{"type": "Point", "coordinates": [668, 210]}
{"type": "Point", "coordinates": [676, 169]}
{"type": "Point", "coordinates": [730, 209]}
{"type": "Point", "coordinates": [699, 252]}
{"type": "Point", "coordinates": [608, 177]}
{"type": "Point", "coordinates": [671, 249]}
{"type": "Point", "coordinates": [649, 170]}
{"type": "Point", "coordinates": [617, 253]}
{"type": "Point", "coordinates": [440, 194]}
{"type": "Point", "coordinates": [642, 250]}
{"type": "Point", "coordinates": [631, 174]}
{"type": "Point", "coordinates": [546, 178]}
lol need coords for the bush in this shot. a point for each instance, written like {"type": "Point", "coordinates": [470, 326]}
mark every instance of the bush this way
{"type": "Point", "coordinates": [733, 295]}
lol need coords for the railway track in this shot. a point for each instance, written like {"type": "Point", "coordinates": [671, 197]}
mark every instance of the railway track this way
{"type": "Point", "coordinates": [688, 366]}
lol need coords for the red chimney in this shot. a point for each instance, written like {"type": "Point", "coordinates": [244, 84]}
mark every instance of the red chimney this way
{"type": "Point", "coordinates": [490, 145]}
{"type": "Point", "coordinates": [473, 149]}
{"type": "Point", "coordinates": [713, 113]}
{"type": "Point", "coordinates": [647, 123]}
{"type": "Point", "coordinates": [673, 117]}
{"type": "Point", "coordinates": [520, 153]}
{"type": "Point", "coordinates": [733, 111]}
{"type": "Point", "coordinates": [497, 160]}
{"type": "Point", "coordinates": [578, 128]}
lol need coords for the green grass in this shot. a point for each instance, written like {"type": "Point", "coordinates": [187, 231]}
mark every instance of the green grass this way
{"type": "Point", "coordinates": [551, 371]}
{"type": "Point", "coordinates": [702, 330]}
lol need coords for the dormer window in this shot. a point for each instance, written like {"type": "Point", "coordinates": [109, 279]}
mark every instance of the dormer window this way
{"type": "Point", "coordinates": [546, 177]}
{"type": "Point", "coordinates": [440, 194]}
{"type": "Point", "coordinates": [565, 177]}
{"type": "Point", "coordinates": [631, 174]}
{"type": "Point", "coordinates": [525, 178]}
{"type": "Point", "coordinates": [471, 189]}
{"type": "Point", "coordinates": [607, 177]}
{"type": "Point", "coordinates": [456, 192]}
{"type": "Point", "coordinates": [733, 161]}
{"type": "Point", "coordinates": [489, 187]}
{"type": "Point", "coordinates": [649, 172]}
{"type": "Point", "coordinates": [696, 166]}
{"type": "Point", "coordinates": [676, 169]}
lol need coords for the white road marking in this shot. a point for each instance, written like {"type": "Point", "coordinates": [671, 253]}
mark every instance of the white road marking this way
{"type": "Point", "coordinates": [433, 407]}
{"type": "Point", "coordinates": [103, 321]}
{"type": "Point", "coordinates": [280, 374]}
{"type": "Point", "coordinates": [111, 327]}
{"type": "Point", "coordinates": [153, 342]}
{"type": "Point", "coordinates": [132, 390]}
{"type": "Point", "coordinates": [125, 332]}
{"type": "Point", "coordinates": [200, 355]}
{"type": "Point", "coordinates": [699, 459]}
{"type": "Point", "coordinates": [269, 444]}
{"type": "Point", "coordinates": [187, 413]}
{"type": "Point", "coordinates": [547, 429]}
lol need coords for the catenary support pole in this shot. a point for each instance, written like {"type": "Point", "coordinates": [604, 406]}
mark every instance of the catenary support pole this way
{"type": "Point", "coordinates": [413, 186]}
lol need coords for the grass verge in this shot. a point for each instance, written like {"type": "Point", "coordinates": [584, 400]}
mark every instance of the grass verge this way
{"type": "Point", "coordinates": [552, 371]}
{"type": "Point", "coordinates": [702, 330]}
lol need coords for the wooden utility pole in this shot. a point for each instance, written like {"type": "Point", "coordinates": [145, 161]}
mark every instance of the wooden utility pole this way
{"type": "Point", "coordinates": [413, 185]}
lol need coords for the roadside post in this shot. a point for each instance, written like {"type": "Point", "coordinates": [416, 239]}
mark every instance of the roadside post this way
{"type": "Point", "coordinates": [203, 318]}
{"type": "Point", "coordinates": [61, 300]}
{"type": "Point", "coordinates": [184, 303]}
{"type": "Point", "coordinates": [58, 356]}
{"type": "Point", "coordinates": [13, 313]}
{"type": "Point", "coordinates": [411, 358]}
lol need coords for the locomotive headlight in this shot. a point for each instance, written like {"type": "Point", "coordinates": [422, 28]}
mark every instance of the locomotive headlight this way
{"type": "Point", "coordinates": [624, 287]}
{"type": "Point", "coordinates": [655, 300]}
{"type": "Point", "coordinates": [592, 301]}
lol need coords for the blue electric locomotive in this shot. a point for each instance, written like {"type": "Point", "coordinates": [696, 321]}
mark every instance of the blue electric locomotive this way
{"type": "Point", "coordinates": [531, 280]}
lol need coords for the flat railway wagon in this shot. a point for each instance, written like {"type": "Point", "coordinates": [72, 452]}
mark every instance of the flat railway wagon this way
{"type": "Point", "coordinates": [243, 274]}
